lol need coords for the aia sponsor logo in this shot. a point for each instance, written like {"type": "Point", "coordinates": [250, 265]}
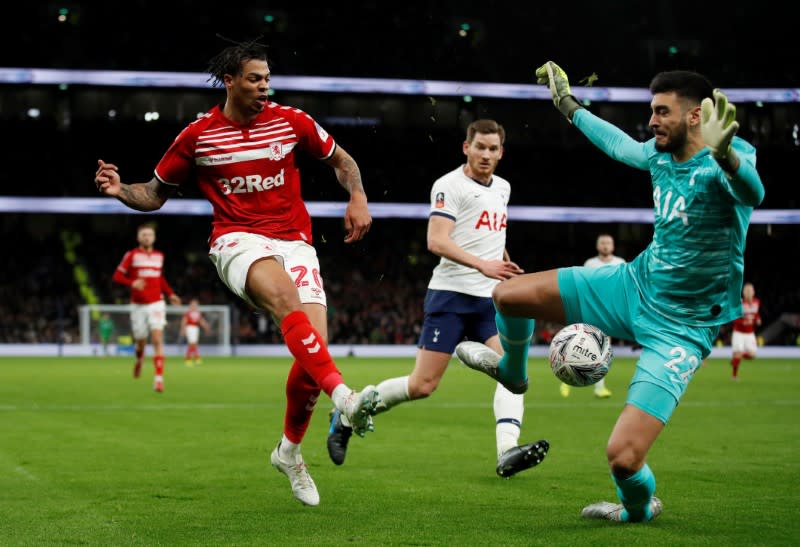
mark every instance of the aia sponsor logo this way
{"type": "Point", "coordinates": [492, 221]}
{"type": "Point", "coordinates": [250, 183]}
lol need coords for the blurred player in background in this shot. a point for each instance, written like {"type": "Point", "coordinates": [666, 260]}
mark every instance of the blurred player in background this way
{"type": "Point", "coordinates": [191, 323]}
{"type": "Point", "coordinates": [605, 257]}
{"type": "Point", "coordinates": [743, 335]}
{"type": "Point", "coordinates": [105, 329]}
{"type": "Point", "coordinates": [242, 157]}
{"type": "Point", "coordinates": [673, 297]}
{"type": "Point", "coordinates": [142, 269]}
{"type": "Point", "coordinates": [467, 229]}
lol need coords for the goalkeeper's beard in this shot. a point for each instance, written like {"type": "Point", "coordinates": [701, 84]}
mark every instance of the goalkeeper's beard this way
{"type": "Point", "coordinates": [676, 141]}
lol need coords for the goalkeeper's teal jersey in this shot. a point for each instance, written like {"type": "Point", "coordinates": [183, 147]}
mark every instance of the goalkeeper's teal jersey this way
{"type": "Point", "coordinates": [693, 268]}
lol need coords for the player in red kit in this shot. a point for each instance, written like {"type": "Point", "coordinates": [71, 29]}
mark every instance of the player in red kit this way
{"type": "Point", "coordinates": [191, 323]}
{"type": "Point", "coordinates": [743, 337]}
{"type": "Point", "coordinates": [242, 157]}
{"type": "Point", "coordinates": [141, 269]}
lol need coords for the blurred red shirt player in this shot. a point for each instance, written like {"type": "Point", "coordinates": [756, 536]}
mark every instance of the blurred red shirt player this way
{"type": "Point", "coordinates": [191, 323]}
{"type": "Point", "coordinates": [743, 337]}
{"type": "Point", "coordinates": [141, 269]}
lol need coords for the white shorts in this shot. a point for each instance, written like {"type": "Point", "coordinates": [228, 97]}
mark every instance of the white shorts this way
{"type": "Point", "coordinates": [147, 317]}
{"type": "Point", "coordinates": [192, 334]}
{"type": "Point", "coordinates": [744, 342]}
{"type": "Point", "coordinates": [234, 253]}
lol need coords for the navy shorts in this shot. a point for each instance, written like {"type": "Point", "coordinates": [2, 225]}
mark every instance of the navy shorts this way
{"type": "Point", "coordinates": [451, 317]}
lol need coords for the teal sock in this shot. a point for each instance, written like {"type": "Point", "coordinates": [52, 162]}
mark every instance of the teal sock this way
{"type": "Point", "coordinates": [515, 337]}
{"type": "Point", "coordinates": [635, 493]}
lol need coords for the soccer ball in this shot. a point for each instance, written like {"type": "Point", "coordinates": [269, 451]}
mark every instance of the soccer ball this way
{"type": "Point", "coordinates": [580, 354]}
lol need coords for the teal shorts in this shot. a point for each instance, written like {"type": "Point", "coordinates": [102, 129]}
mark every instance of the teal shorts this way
{"type": "Point", "coordinates": [609, 299]}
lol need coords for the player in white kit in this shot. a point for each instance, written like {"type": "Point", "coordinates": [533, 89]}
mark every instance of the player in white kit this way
{"type": "Point", "coordinates": [467, 229]}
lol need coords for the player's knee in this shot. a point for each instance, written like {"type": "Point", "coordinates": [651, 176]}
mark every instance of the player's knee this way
{"type": "Point", "coordinates": [420, 388]}
{"type": "Point", "coordinates": [623, 459]}
{"type": "Point", "coordinates": [503, 297]}
{"type": "Point", "coordinates": [278, 303]}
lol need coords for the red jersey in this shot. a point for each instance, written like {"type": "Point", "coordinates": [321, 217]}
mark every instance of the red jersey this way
{"type": "Point", "coordinates": [750, 316]}
{"type": "Point", "coordinates": [139, 264]}
{"type": "Point", "coordinates": [192, 317]}
{"type": "Point", "coordinates": [249, 172]}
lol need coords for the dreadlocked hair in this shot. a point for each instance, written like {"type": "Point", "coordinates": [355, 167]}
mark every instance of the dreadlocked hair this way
{"type": "Point", "coordinates": [231, 59]}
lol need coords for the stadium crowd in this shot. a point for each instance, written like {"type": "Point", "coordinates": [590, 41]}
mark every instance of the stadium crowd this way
{"type": "Point", "coordinates": [375, 288]}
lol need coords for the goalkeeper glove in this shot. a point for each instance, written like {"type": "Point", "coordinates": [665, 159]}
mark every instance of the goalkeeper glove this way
{"type": "Point", "coordinates": [718, 125]}
{"type": "Point", "coordinates": [553, 76]}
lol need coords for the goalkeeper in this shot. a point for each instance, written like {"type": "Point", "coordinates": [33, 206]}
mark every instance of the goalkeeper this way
{"type": "Point", "coordinates": [673, 297]}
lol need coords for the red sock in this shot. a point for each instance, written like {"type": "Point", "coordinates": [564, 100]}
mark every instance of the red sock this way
{"type": "Point", "coordinates": [310, 351]}
{"type": "Point", "coordinates": [301, 397]}
{"type": "Point", "coordinates": [139, 355]}
{"type": "Point", "coordinates": [188, 354]}
{"type": "Point", "coordinates": [158, 361]}
{"type": "Point", "coordinates": [735, 364]}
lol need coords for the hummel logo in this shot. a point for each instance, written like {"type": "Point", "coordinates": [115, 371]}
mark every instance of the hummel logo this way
{"type": "Point", "coordinates": [310, 340]}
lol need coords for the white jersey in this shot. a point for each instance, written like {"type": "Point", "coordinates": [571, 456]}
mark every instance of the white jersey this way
{"type": "Point", "coordinates": [480, 214]}
{"type": "Point", "coordinates": [595, 261]}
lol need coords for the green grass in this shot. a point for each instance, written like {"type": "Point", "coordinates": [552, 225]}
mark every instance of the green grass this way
{"type": "Point", "coordinates": [90, 456]}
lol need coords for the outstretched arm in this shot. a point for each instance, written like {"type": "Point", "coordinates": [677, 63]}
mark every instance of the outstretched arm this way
{"type": "Point", "coordinates": [357, 219]}
{"type": "Point", "coordinates": [147, 196]}
{"type": "Point", "coordinates": [606, 136]}
{"type": "Point", "coordinates": [612, 140]}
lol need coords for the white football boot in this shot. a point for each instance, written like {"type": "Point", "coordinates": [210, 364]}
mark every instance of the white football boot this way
{"type": "Point", "coordinates": [484, 359]}
{"type": "Point", "coordinates": [612, 511]}
{"type": "Point", "coordinates": [359, 407]}
{"type": "Point", "coordinates": [303, 486]}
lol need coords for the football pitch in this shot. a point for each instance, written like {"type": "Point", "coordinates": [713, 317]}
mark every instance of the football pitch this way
{"type": "Point", "coordinates": [90, 456]}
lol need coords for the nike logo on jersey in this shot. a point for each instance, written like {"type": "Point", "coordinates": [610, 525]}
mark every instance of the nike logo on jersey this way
{"type": "Point", "coordinates": [661, 162]}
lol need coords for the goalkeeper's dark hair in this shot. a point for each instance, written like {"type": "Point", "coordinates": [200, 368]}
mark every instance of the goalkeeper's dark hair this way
{"type": "Point", "coordinates": [231, 59]}
{"type": "Point", "coordinates": [685, 83]}
{"type": "Point", "coordinates": [488, 127]}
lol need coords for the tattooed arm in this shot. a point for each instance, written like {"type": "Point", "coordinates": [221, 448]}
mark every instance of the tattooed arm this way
{"type": "Point", "coordinates": [357, 218]}
{"type": "Point", "coordinates": [148, 196]}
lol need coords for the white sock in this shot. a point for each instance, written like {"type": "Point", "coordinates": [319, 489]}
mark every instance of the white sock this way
{"type": "Point", "coordinates": [508, 410]}
{"type": "Point", "coordinates": [339, 395]}
{"type": "Point", "coordinates": [600, 386]}
{"type": "Point", "coordinates": [288, 451]}
{"type": "Point", "coordinates": [393, 392]}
